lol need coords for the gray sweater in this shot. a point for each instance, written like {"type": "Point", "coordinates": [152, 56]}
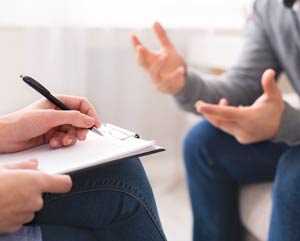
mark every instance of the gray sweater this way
{"type": "Point", "coordinates": [272, 41]}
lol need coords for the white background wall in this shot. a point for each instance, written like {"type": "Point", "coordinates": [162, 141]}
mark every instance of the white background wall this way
{"type": "Point", "coordinates": [82, 47]}
{"type": "Point", "coordinates": [100, 64]}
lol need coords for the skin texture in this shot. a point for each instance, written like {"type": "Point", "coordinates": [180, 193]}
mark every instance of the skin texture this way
{"type": "Point", "coordinates": [44, 123]}
{"type": "Point", "coordinates": [250, 124]}
{"type": "Point", "coordinates": [21, 188]}
{"type": "Point", "coordinates": [166, 68]}
{"type": "Point", "coordinates": [22, 184]}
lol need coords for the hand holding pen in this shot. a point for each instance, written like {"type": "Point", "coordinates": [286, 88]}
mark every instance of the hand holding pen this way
{"type": "Point", "coordinates": [43, 122]}
{"type": "Point", "coordinates": [47, 94]}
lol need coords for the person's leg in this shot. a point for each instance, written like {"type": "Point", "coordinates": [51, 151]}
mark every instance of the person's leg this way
{"type": "Point", "coordinates": [66, 233]}
{"type": "Point", "coordinates": [113, 202]}
{"type": "Point", "coordinates": [216, 163]}
{"type": "Point", "coordinates": [285, 220]}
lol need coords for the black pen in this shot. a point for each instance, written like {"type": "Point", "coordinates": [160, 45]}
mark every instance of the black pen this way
{"type": "Point", "coordinates": [47, 94]}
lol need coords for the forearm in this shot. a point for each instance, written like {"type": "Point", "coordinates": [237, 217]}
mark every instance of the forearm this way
{"type": "Point", "coordinates": [242, 84]}
{"type": "Point", "coordinates": [212, 89]}
{"type": "Point", "coordinates": [7, 129]}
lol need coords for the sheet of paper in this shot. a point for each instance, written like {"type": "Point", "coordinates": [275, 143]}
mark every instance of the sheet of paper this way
{"type": "Point", "coordinates": [95, 150]}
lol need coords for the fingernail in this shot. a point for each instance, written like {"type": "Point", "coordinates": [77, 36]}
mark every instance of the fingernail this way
{"type": "Point", "coordinates": [181, 70]}
{"type": "Point", "coordinates": [198, 103]}
{"type": "Point", "coordinates": [89, 121]}
{"type": "Point", "coordinates": [55, 143]}
{"type": "Point", "coordinates": [69, 141]}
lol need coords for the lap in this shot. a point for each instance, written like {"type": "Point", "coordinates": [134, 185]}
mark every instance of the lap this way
{"type": "Point", "coordinates": [245, 163]}
{"type": "Point", "coordinates": [102, 197]}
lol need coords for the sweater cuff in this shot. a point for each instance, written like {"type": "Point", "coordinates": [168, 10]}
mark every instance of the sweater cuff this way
{"type": "Point", "coordinates": [184, 96]}
{"type": "Point", "coordinates": [289, 130]}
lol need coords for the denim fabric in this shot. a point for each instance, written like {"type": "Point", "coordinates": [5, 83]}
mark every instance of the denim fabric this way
{"type": "Point", "coordinates": [114, 202]}
{"type": "Point", "coordinates": [217, 165]}
{"type": "Point", "coordinates": [27, 233]}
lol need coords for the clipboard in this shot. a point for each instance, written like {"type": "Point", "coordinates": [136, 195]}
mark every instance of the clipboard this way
{"type": "Point", "coordinates": [117, 144]}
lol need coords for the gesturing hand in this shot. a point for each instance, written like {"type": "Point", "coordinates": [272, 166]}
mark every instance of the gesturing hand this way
{"type": "Point", "coordinates": [42, 123]}
{"type": "Point", "coordinates": [21, 188]}
{"type": "Point", "coordinates": [166, 68]}
{"type": "Point", "coordinates": [255, 123]}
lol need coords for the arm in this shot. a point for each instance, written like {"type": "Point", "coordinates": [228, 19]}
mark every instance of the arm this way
{"type": "Point", "coordinates": [241, 85]}
{"type": "Point", "coordinates": [22, 184]}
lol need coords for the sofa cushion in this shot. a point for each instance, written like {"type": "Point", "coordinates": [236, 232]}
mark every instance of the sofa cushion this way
{"type": "Point", "coordinates": [255, 209]}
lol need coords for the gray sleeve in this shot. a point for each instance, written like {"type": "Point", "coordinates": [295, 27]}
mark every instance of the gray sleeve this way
{"type": "Point", "coordinates": [242, 83]}
{"type": "Point", "coordinates": [289, 131]}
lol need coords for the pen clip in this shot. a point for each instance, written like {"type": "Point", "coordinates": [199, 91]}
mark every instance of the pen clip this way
{"type": "Point", "coordinates": [34, 84]}
{"type": "Point", "coordinates": [117, 132]}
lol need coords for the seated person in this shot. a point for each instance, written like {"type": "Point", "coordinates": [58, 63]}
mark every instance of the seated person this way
{"type": "Point", "coordinates": [113, 202]}
{"type": "Point", "coordinates": [249, 134]}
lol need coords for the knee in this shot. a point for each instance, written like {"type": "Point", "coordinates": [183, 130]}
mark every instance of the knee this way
{"type": "Point", "coordinates": [287, 183]}
{"type": "Point", "coordinates": [200, 141]}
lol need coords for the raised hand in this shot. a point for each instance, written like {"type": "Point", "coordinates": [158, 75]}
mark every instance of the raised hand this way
{"type": "Point", "coordinates": [166, 68]}
{"type": "Point", "coordinates": [259, 122]}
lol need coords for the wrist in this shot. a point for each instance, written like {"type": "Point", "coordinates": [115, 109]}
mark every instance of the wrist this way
{"type": "Point", "coordinates": [7, 124]}
{"type": "Point", "coordinates": [184, 74]}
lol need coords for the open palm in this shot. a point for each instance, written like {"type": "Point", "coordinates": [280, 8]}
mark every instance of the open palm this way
{"type": "Point", "coordinates": [166, 67]}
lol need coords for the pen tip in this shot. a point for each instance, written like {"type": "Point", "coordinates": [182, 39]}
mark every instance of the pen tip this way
{"type": "Point", "coordinates": [21, 76]}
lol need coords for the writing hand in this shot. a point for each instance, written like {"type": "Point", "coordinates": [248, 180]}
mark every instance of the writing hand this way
{"type": "Point", "coordinates": [42, 123]}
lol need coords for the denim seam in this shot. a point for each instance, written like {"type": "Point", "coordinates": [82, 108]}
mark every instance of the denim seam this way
{"type": "Point", "coordinates": [116, 189]}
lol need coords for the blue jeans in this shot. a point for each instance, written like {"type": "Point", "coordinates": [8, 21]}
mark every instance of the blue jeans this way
{"type": "Point", "coordinates": [217, 165]}
{"type": "Point", "coordinates": [112, 203]}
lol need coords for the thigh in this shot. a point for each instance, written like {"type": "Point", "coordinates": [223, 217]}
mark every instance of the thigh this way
{"type": "Point", "coordinates": [209, 148]}
{"type": "Point", "coordinates": [285, 219]}
{"type": "Point", "coordinates": [26, 233]}
{"type": "Point", "coordinates": [66, 233]}
{"type": "Point", "coordinates": [104, 197]}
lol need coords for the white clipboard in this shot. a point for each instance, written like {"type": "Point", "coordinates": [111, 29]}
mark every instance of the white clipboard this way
{"type": "Point", "coordinates": [116, 144]}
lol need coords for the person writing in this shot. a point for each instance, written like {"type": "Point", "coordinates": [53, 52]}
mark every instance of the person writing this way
{"type": "Point", "coordinates": [249, 134]}
{"type": "Point", "coordinates": [113, 202]}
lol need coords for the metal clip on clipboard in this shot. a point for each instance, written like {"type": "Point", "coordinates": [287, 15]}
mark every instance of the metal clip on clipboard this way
{"type": "Point", "coordinates": [117, 132]}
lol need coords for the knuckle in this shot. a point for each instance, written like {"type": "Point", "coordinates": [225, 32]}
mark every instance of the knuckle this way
{"type": "Point", "coordinates": [38, 204]}
{"type": "Point", "coordinates": [40, 181]}
{"type": "Point", "coordinates": [77, 115]}
{"type": "Point", "coordinates": [49, 115]}
{"type": "Point", "coordinates": [29, 218]}
{"type": "Point", "coordinates": [84, 99]}
{"type": "Point", "coordinates": [243, 140]}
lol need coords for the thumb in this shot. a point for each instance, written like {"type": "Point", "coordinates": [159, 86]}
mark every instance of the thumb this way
{"type": "Point", "coordinates": [31, 165]}
{"type": "Point", "coordinates": [269, 84]}
{"type": "Point", "coordinates": [54, 118]}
